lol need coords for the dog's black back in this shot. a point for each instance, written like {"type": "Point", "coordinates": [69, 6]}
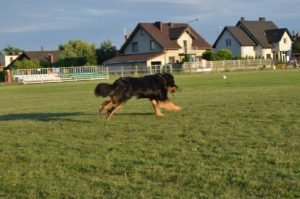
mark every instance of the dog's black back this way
{"type": "Point", "coordinates": [154, 87]}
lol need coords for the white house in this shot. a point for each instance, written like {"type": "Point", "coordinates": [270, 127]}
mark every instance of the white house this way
{"type": "Point", "coordinates": [5, 60]}
{"type": "Point", "coordinates": [256, 39]}
{"type": "Point", "coordinates": [159, 44]}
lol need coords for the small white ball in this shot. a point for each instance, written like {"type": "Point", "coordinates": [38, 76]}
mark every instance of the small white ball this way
{"type": "Point", "coordinates": [224, 77]}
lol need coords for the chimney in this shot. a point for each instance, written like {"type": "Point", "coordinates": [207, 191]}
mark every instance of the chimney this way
{"type": "Point", "coordinates": [158, 24]}
{"type": "Point", "coordinates": [171, 25]}
{"type": "Point", "coordinates": [51, 58]}
{"type": "Point", "coordinates": [262, 19]}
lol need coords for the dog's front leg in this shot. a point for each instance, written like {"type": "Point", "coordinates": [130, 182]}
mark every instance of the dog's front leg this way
{"type": "Point", "coordinates": [111, 111]}
{"type": "Point", "coordinates": [169, 105]}
{"type": "Point", "coordinates": [105, 105]}
{"type": "Point", "coordinates": [156, 108]}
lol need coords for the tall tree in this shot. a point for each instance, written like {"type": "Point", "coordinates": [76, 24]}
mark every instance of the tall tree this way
{"type": "Point", "coordinates": [296, 46]}
{"type": "Point", "coordinates": [78, 53]}
{"type": "Point", "coordinates": [105, 52]}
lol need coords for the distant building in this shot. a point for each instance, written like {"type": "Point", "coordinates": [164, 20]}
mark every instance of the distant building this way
{"type": "Point", "coordinates": [256, 39]}
{"type": "Point", "coordinates": [159, 44]}
{"type": "Point", "coordinates": [46, 56]}
{"type": "Point", "coordinates": [5, 60]}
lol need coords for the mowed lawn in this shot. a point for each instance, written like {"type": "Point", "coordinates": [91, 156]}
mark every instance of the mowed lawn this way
{"type": "Point", "coordinates": [234, 138]}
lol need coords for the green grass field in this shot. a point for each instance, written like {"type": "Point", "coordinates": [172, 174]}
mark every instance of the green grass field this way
{"type": "Point", "coordinates": [234, 138]}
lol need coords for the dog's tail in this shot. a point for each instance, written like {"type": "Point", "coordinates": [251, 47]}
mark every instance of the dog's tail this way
{"type": "Point", "coordinates": [104, 89]}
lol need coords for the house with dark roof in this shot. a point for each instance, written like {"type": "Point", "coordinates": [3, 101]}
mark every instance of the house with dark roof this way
{"type": "Point", "coordinates": [256, 39]}
{"type": "Point", "coordinates": [44, 56]}
{"type": "Point", "coordinates": [159, 44]}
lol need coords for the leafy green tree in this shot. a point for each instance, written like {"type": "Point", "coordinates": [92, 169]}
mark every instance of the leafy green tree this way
{"type": "Point", "coordinates": [78, 53]}
{"type": "Point", "coordinates": [224, 54]}
{"type": "Point", "coordinates": [105, 52]}
{"type": "Point", "coordinates": [209, 55]}
{"type": "Point", "coordinates": [9, 50]}
{"type": "Point", "coordinates": [26, 63]}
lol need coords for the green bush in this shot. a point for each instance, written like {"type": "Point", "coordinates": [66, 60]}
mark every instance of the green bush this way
{"type": "Point", "coordinates": [224, 54]}
{"type": "Point", "coordinates": [209, 55]}
{"type": "Point", "coordinates": [25, 63]}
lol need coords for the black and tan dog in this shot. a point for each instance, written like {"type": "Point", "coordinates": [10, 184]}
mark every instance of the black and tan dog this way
{"type": "Point", "coordinates": [154, 87]}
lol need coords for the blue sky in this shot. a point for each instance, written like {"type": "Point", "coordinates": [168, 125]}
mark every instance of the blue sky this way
{"type": "Point", "coordinates": [30, 24]}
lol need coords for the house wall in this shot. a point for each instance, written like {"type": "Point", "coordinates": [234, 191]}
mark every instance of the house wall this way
{"type": "Point", "coordinates": [263, 53]}
{"type": "Point", "coordinates": [143, 40]}
{"type": "Point", "coordinates": [5, 60]}
{"type": "Point", "coordinates": [287, 45]}
{"type": "Point", "coordinates": [247, 52]}
{"type": "Point", "coordinates": [282, 49]}
{"type": "Point", "coordinates": [185, 37]}
{"type": "Point", "coordinates": [235, 47]}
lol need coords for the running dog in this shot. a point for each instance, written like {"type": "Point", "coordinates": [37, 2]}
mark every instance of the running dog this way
{"type": "Point", "coordinates": [154, 87]}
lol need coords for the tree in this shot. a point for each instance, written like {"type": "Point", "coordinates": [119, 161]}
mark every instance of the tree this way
{"type": "Point", "coordinates": [224, 54]}
{"type": "Point", "coordinates": [9, 50]}
{"type": "Point", "coordinates": [296, 46]}
{"type": "Point", "coordinates": [105, 52]}
{"type": "Point", "coordinates": [78, 53]}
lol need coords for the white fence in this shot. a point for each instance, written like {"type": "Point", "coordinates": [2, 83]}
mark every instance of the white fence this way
{"type": "Point", "coordinates": [227, 65]}
{"type": "Point", "coordinates": [138, 70]}
{"type": "Point", "coordinates": [46, 75]}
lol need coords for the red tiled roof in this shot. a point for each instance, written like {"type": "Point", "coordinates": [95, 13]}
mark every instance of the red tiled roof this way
{"type": "Point", "coordinates": [166, 35]}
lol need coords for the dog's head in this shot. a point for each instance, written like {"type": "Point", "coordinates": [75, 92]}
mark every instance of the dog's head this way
{"type": "Point", "coordinates": [171, 86]}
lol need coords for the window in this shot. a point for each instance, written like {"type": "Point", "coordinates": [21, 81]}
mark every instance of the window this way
{"type": "Point", "coordinates": [185, 46]}
{"type": "Point", "coordinates": [134, 46]}
{"type": "Point", "coordinates": [152, 45]}
{"type": "Point", "coordinates": [284, 40]}
{"type": "Point", "coordinates": [228, 42]}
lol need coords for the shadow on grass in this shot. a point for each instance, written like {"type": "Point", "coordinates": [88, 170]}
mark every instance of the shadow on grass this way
{"type": "Point", "coordinates": [41, 116]}
{"type": "Point", "coordinates": [46, 117]}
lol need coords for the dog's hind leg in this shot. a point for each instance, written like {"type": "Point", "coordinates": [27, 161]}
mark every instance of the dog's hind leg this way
{"type": "Point", "coordinates": [156, 108]}
{"type": "Point", "coordinates": [169, 105]}
{"type": "Point", "coordinates": [106, 105]}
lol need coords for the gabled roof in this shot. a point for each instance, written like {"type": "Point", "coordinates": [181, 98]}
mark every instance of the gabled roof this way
{"type": "Point", "coordinates": [238, 34]}
{"type": "Point", "coordinates": [43, 55]}
{"type": "Point", "coordinates": [256, 30]}
{"type": "Point", "coordinates": [276, 35]}
{"type": "Point", "coordinates": [166, 34]}
{"type": "Point", "coordinates": [132, 58]}
{"type": "Point", "coordinates": [49, 56]}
